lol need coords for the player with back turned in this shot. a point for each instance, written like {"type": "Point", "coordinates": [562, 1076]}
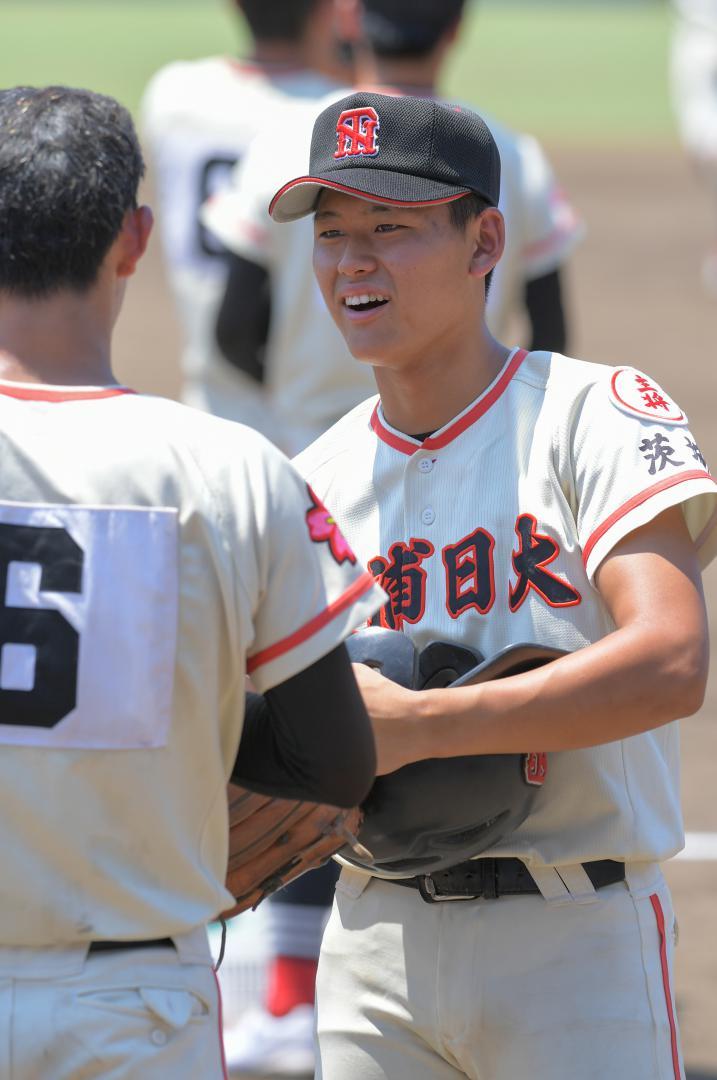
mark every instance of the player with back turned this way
{"type": "Point", "coordinates": [150, 556]}
{"type": "Point", "coordinates": [503, 496]}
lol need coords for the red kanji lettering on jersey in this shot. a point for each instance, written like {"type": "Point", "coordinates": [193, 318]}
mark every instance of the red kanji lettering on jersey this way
{"type": "Point", "coordinates": [535, 551]}
{"type": "Point", "coordinates": [356, 133]}
{"type": "Point", "coordinates": [535, 769]}
{"type": "Point", "coordinates": [403, 577]}
{"type": "Point", "coordinates": [638, 395]}
{"type": "Point", "coordinates": [324, 530]}
{"type": "Point", "coordinates": [469, 574]}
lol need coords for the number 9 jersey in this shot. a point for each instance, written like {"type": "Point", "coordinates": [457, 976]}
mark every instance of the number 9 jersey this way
{"type": "Point", "coordinates": [150, 556]}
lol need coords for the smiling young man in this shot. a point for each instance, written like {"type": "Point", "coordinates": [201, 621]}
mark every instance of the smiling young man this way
{"type": "Point", "coordinates": [501, 497]}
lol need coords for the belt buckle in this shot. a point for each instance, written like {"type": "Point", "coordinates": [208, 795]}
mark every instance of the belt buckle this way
{"type": "Point", "coordinates": [427, 889]}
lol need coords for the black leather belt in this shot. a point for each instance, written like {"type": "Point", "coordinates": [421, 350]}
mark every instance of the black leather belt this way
{"type": "Point", "coordinates": [491, 878]}
{"type": "Point", "coordinates": [147, 943]}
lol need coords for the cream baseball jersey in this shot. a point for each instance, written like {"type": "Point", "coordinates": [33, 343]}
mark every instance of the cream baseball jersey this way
{"type": "Point", "coordinates": [312, 377]}
{"type": "Point", "coordinates": [489, 533]}
{"type": "Point", "coordinates": [198, 119]}
{"type": "Point", "coordinates": [150, 556]}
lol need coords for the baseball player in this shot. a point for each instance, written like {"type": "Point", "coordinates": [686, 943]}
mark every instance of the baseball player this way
{"type": "Point", "coordinates": [503, 496]}
{"type": "Point", "coordinates": [693, 70]}
{"type": "Point", "coordinates": [305, 363]}
{"type": "Point", "coordinates": [150, 556]}
{"type": "Point", "coordinates": [198, 118]}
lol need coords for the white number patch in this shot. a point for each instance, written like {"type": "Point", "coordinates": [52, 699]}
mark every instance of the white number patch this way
{"type": "Point", "coordinates": [88, 625]}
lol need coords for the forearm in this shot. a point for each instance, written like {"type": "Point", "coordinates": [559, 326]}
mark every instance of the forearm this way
{"type": "Point", "coordinates": [623, 685]}
{"type": "Point", "coordinates": [309, 738]}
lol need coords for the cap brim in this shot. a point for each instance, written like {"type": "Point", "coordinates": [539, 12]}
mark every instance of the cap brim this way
{"type": "Point", "coordinates": [298, 198]}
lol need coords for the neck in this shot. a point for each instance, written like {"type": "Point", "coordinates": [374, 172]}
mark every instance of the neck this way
{"type": "Point", "coordinates": [276, 54]}
{"type": "Point", "coordinates": [63, 339]}
{"type": "Point", "coordinates": [427, 393]}
{"type": "Point", "coordinates": [415, 76]}
{"type": "Point", "coordinates": [308, 54]}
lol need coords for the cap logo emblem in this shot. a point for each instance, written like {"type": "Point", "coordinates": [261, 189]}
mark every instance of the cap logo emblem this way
{"type": "Point", "coordinates": [356, 130]}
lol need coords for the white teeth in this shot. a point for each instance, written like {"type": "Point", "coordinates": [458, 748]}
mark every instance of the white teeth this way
{"type": "Point", "coordinates": [364, 298]}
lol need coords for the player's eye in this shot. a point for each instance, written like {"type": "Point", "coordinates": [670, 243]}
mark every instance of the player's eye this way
{"type": "Point", "coordinates": [329, 234]}
{"type": "Point", "coordinates": [387, 226]}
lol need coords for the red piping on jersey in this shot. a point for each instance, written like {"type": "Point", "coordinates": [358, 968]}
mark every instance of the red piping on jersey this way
{"type": "Point", "coordinates": [638, 500]}
{"type": "Point", "coordinates": [660, 917]}
{"type": "Point", "coordinates": [457, 428]}
{"type": "Point", "coordinates": [225, 1071]}
{"type": "Point", "coordinates": [359, 587]}
{"type": "Point", "coordinates": [364, 194]}
{"type": "Point", "coordinates": [45, 393]}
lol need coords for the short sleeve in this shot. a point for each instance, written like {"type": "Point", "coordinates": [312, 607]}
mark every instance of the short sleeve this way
{"type": "Point", "coordinates": [238, 215]}
{"type": "Point", "coordinates": [312, 592]}
{"type": "Point", "coordinates": [634, 456]}
{"type": "Point", "coordinates": [552, 228]}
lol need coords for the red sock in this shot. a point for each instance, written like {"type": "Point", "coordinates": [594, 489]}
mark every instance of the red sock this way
{"type": "Point", "coordinates": [291, 981]}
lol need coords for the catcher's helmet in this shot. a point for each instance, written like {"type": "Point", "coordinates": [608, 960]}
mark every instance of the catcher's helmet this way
{"type": "Point", "coordinates": [435, 813]}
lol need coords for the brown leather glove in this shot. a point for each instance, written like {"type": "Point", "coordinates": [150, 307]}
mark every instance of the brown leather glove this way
{"type": "Point", "coordinates": [273, 841]}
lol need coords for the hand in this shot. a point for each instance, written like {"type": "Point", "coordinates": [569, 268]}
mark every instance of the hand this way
{"type": "Point", "coordinates": [393, 712]}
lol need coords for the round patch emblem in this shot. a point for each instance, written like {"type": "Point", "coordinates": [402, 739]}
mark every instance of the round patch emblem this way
{"type": "Point", "coordinates": [639, 395]}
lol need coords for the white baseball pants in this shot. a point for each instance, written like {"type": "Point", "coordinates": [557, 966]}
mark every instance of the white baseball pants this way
{"type": "Point", "coordinates": [564, 986]}
{"type": "Point", "coordinates": [141, 1014]}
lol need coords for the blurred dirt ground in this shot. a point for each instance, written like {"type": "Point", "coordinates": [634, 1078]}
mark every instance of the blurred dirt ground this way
{"type": "Point", "coordinates": [636, 299]}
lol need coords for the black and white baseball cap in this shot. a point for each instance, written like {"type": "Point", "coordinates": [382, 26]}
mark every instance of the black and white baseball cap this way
{"type": "Point", "coordinates": [394, 149]}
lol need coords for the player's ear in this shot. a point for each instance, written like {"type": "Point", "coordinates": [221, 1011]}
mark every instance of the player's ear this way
{"type": "Point", "coordinates": [133, 239]}
{"type": "Point", "coordinates": [487, 233]}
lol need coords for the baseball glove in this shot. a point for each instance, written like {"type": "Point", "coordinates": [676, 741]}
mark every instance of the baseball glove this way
{"type": "Point", "coordinates": [273, 841]}
{"type": "Point", "coordinates": [435, 813]}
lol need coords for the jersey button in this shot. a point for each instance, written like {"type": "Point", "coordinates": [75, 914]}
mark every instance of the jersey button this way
{"type": "Point", "coordinates": [159, 1037]}
{"type": "Point", "coordinates": [428, 516]}
{"type": "Point", "coordinates": [426, 465]}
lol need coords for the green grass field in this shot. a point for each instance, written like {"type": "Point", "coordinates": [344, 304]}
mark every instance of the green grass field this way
{"type": "Point", "coordinates": [571, 73]}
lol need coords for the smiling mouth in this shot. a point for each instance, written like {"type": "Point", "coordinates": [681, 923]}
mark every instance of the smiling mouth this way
{"type": "Point", "coordinates": [365, 302]}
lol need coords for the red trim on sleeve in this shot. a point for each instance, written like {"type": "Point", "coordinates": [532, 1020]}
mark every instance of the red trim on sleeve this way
{"type": "Point", "coordinates": [660, 918]}
{"type": "Point", "coordinates": [460, 425]}
{"type": "Point", "coordinates": [359, 587]}
{"type": "Point", "coordinates": [638, 500]}
{"type": "Point", "coordinates": [62, 393]}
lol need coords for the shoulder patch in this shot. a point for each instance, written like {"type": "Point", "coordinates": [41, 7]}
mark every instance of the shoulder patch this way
{"type": "Point", "coordinates": [638, 395]}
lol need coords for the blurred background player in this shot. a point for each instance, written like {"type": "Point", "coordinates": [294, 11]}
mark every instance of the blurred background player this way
{"type": "Point", "coordinates": [198, 118]}
{"type": "Point", "coordinates": [297, 352]}
{"type": "Point", "coordinates": [293, 348]}
{"type": "Point", "coordinates": [694, 94]}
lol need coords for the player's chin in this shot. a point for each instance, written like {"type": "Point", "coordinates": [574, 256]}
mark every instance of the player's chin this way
{"type": "Point", "coordinates": [370, 348]}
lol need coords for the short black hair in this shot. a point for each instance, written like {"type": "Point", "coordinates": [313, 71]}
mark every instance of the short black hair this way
{"type": "Point", "coordinates": [408, 28]}
{"type": "Point", "coordinates": [277, 20]}
{"type": "Point", "coordinates": [466, 209]}
{"type": "Point", "coordinates": [70, 167]}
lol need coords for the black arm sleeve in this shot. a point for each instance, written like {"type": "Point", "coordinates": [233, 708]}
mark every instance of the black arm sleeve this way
{"type": "Point", "coordinates": [309, 737]}
{"type": "Point", "coordinates": [544, 304]}
{"type": "Point", "coordinates": [243, 320]}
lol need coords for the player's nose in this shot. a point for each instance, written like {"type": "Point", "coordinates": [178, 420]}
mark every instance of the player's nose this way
{"type": "Point", "coordinates": [356, 258]}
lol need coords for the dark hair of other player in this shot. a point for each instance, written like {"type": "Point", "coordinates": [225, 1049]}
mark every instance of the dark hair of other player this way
{"type": "Point", "coordinates": [277, 20]}
{"type": "Point", "coordinates": [408, 28]}
{"type": "Point", "coordinates": [70, 167]}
